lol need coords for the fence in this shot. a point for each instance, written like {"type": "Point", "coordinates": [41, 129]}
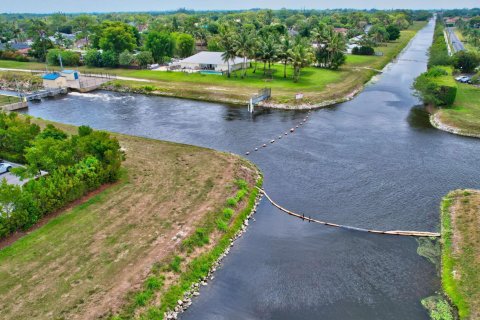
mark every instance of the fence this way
{"type": "Point", "coordinates": [263, 94]}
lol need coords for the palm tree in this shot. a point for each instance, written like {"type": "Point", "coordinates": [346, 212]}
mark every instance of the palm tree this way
{"type": "Point", "coordinates": [268, 51]}
{"type": "Point", "coordinates": [301, 56]}
{"type": "Point", "coordinates": [243, 47]}
{"type": "Point", "coordinates": [284, 53]}
{"type": "Point", "coordinates": [229, 53]}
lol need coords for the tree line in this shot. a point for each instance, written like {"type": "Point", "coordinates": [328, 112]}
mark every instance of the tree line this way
{"type": "Point", "coordinates": [292, 37]}
{"type": "Point", "coordinates": [75, 164]}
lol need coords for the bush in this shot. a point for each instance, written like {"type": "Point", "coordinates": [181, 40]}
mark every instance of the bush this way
{"type": "Point", "coordinates": [144, 58]}
{"type": "Point", "coordinates": [363, 50]}
{"type": "Point", "coordinates": [393, 32]}
{"type": "Point", "coordinates": [93, 58]}
{"type": "Point", "coordinates": [69, 58]}
{"type": "Point", "coordinates": [109, 59]}
{"type": "Point", "coordinates": [125, 58]}
{"type": "Point", "coordinates": [75, 165]}
{"type": "Point", "coordinates": [437, 90]}
{"type": "Point", "coordinates": [438, 51]}
{"type": "Point", "coordinates": [466, 61]}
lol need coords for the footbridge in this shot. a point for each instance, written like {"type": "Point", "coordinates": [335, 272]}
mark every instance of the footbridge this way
{"type": "Point", "coordinates": [390, 232]}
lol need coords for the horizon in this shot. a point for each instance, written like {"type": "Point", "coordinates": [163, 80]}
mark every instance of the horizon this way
{"type": "Point", "coordinates": [158, 6]}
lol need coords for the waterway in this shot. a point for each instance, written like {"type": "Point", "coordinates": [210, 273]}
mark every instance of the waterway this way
{"type": "Point", "coordinates": [373, 162]}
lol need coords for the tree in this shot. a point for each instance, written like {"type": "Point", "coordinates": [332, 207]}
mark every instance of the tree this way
{"type": "Point", "coordinates": [69, 58]}
{"type": "Point", "coordinates": [144, 58]}
{"type": "Point", "coordinates": [268, 51]}
{"type": "Point", "coordinates": [300, 56]}
{"type": "Point", "coordinates": [93, 58]}
{"type": "Point", "coordinates": [243, 46]}
{"type": "Point", "coordinates": [109, 59]}
{"type": "Point", "coordinates": [161, 44]}
{"type": "Point", "coordinates": [84, 24]}
{"type": "Point", "coordinates": [125, 58]}
{"type": "Point", "coordinates": [393, 32]}
{"type": "Point", "coordinates": [331, 46]}
{"type": "Point", "coordinates": [185, 45]}
{"type": "Point", "coordinates": [284, 53]}
{"type": "Point", "coordinates": [228, 55]}
{"type": "Point", "coordinates": [378, 33]}
{"type": "Point", "coordinates": [117, 39]}
{"type": "Point", "coordinates": [40, 48]}
{"type": "Point", "coordinates": [466, 61]}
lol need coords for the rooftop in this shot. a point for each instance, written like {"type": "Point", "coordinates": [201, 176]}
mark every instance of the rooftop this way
{"type": "Point", "coordinates": [209, 57]}
{"type": "Point", "coordinates": [51, 76]}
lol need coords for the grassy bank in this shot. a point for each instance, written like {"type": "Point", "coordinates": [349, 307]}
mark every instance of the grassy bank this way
{"type": "Point", "coordinates": [460, 215]}
{"type": "Point", "coordinates": [89, 261]}
{"type": "Point", "coordinates": [464, 115]}
{"type": "Point", "coordinates": [4, 100]}
{"type": "Point", "coordinates": [317, 85]}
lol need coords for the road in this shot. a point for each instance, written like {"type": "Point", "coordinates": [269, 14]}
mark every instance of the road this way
{"type": "Point", "coordinates": [456, 43]}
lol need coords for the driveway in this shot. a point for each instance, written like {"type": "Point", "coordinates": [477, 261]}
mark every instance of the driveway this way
{"type": "Point", "coordinates": [13, 179]}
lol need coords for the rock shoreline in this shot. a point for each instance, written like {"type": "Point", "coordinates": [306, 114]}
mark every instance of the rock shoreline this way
{"type": "Point", "coordinates": [186, 302]}
{"type": "Point", "coordinates": [438, 124]}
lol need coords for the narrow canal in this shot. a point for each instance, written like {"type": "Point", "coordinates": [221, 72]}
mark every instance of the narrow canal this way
{"type": "Point", "coordinates": [373, 162]}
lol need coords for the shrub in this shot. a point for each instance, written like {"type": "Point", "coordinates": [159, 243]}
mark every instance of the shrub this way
{"type": "Point", "coordinates": [466, 61]}
{"type": "Point", "coordinates": [125, 58]}
{"type": "Point", "coordinates": [232, 202]}
{"type": "Point", "coordinates": [69, 58]}
{"type": "Point", "coordinates": [221, 225]}
{"type": "Point", "coordinates": [175, 264]}
{"type": "Point", "coordinates": [436, 90]}
{"type": "Point", "coordinates": [363, 50]}
{"type": "Point", "coordinates": [109, 59]}
{"type": "Point", "coordinates": [438, 53]}
{"type": "Point", "coordinates": [393, 32]}
{"type": "Point", "coordinates": [144, 58]}
{"type": "Point", "coordinates": [93, 58]}
{"type": "Point", "coordinates": [228, 213]}
{"type": "Point", "coordinates": [76, 165]}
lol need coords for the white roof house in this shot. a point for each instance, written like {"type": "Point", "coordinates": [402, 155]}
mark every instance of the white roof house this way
{"type": "Point", "coordinates": [208, 60]}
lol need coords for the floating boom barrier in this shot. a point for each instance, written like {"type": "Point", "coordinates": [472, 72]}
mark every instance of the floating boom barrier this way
{"type": "Point", "coordinates": [391, 232]}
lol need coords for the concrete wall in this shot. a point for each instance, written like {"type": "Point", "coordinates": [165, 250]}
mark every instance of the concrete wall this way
{"type": "Point", "coordinates": [14, 106]}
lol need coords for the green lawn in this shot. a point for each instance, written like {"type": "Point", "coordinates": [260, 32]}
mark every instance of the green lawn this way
{"type": "Point", "coordinates": [465, 113]}
{"type": "Point", "coordinates": [7, 100]}
{"type": "Point", "coordinates": [460, 213]}
{"type": "Point", "coordinates": [318, 85]}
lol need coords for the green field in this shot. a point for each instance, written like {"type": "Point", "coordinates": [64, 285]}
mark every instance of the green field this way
{"type": "Point", "coordinates": [317, 85]}
{"type": "Point", "coordinates": [465, 113]}
{"type": "Point", "coordinates": [460, 214]}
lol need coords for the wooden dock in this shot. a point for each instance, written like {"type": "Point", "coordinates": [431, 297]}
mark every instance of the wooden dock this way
{"type": "Point", "coordinates": [390, 232]}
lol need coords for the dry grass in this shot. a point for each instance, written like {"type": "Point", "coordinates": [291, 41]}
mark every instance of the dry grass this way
{"type": "Point", "coordinates": [83, 263]}
{"type": "Point", "coordinates": [461, 251]}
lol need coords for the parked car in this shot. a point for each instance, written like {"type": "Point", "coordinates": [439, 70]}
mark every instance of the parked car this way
{"type": "Point", "coordinates": [5, 167]}
{"type": "Point", "coordinates": [463, 79]}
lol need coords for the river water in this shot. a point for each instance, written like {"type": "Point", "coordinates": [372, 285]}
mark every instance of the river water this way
{"type": "Point", "coordinates": [373, 162]}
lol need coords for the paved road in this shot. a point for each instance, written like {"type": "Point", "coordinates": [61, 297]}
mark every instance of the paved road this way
{"type": "Point", "coordinates": [456, 43]}
{"type": "Point", "coordinates": [13, 179]}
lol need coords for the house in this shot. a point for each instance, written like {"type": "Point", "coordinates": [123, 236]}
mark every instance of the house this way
{"type": "Point", "coordinates": [208, 60]}
{"type": "Point", "coordinates": [20, 47]}
{"type": "Point", "coordinates": [54, 80]}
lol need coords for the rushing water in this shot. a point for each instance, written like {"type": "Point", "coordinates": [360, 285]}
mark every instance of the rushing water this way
{"type": "Point", "coordinates": [372, 162]}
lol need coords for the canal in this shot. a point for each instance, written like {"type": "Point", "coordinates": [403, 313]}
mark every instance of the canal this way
{"type": "Point", "coordinates": [373, 162]}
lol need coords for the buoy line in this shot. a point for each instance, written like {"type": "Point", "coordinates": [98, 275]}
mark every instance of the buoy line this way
{"type": "Point", "coordinates": [390, 232]}
{"type": "Point", "coordinates": [291, 131]}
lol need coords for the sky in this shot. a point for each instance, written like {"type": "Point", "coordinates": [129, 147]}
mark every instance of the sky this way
{"type": "Point", "coordinates": [72, 6]}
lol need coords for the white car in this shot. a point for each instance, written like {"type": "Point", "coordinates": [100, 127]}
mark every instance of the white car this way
{"type": "Point", "coordinates": [5, 167]}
